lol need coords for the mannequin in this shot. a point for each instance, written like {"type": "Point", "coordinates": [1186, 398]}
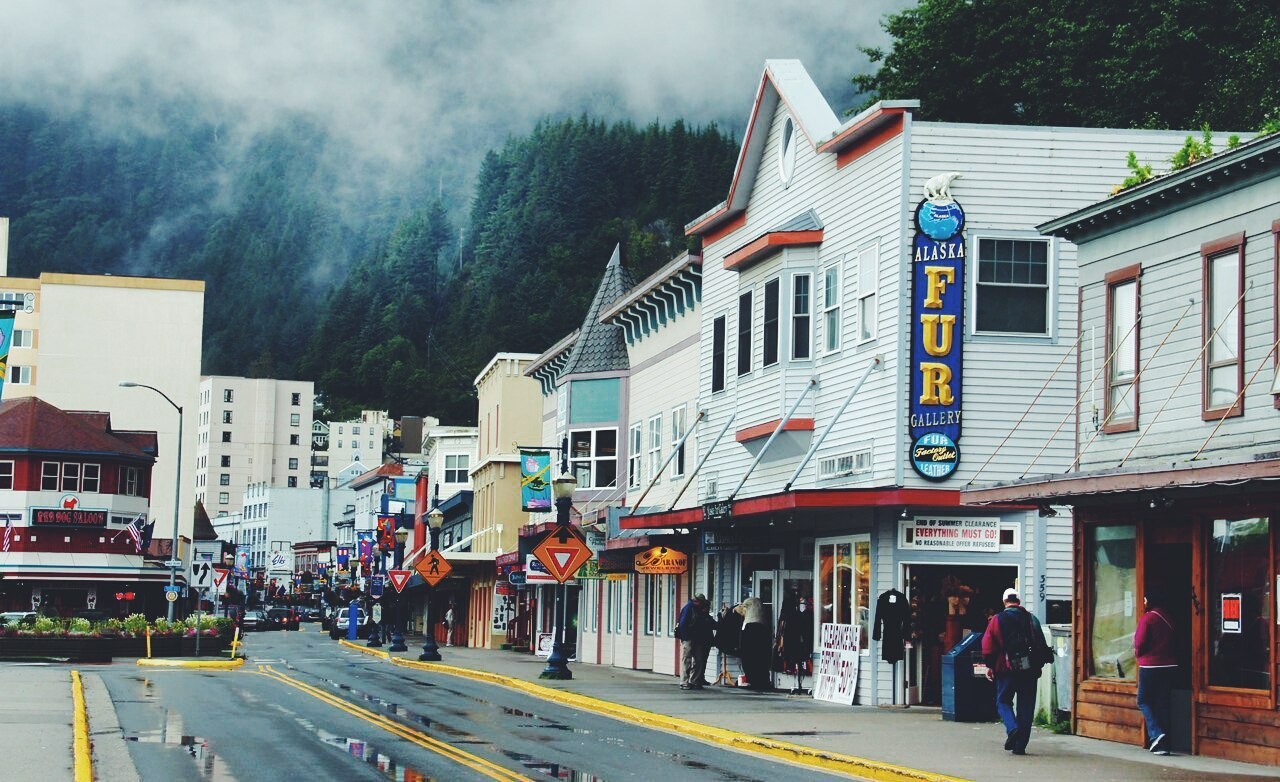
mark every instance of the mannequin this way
{"type": "Point", "coordinates": [892, 624]}
{"type": "Point", "coordinates": [794, 644]}
{"type": "Point", "coordinates": [754, 643]}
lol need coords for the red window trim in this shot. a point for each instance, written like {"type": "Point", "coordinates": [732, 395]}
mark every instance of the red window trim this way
{"type": "Point", "coordinates": [1127, 274]}
{"type": "Point", "coordinates": [1208, 251]}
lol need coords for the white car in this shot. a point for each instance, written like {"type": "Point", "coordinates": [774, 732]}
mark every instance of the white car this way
{"type": "Point", "coordinates": [340, 624]}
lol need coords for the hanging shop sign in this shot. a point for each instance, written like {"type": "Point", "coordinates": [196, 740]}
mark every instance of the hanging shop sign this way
{"type": "Point", "coordinates": [836, 677]}
{"type": "Point", "coordinates": [1231, 605]}
{"type": "Point", "coordinates": [717, 510]}
{"type": "Point", "coordinates": [950, 534]}
{"type": "Point", "coordinates": [662, 561]}
{"type": "Point", "coordinates": [937, 331]}
{"type": "Point", "coordinates": [535, 481]}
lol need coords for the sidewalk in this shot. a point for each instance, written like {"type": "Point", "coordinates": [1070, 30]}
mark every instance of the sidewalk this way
{"type": "Point", "coordinates": [35, 722]}
{"type": "Point", "coordinates": [916, 738]}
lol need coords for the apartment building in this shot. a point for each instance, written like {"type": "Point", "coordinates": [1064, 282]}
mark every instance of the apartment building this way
{"type": "Point", "coordinates": [359, 440]}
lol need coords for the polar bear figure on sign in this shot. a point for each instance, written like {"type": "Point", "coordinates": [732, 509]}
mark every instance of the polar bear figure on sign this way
{"type": "Point", "coordinates": [938, 188]}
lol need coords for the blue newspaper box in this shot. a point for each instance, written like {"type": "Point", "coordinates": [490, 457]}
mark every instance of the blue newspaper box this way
{"type": "Point", "coordinates": [967, 696]}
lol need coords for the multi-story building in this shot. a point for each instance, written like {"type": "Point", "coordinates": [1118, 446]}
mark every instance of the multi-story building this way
{"type": "Point", "coordinates": [251, 431]}
{"type": "Point", "coordinates": [78, 336]}
{"type": "Point", "coordinates": [360, 440]}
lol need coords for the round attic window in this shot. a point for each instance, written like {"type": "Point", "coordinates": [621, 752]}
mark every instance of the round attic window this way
{"type": "Point", "coordinates": [787, 152]}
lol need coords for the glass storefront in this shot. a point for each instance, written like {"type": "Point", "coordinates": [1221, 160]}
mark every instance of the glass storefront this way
{"type": "Point", "coordinates": [1113, 550]}
{"type": "Point", "coordinates": [1239, 596]}
{"type": "Point", "coordinates": [844, 583]}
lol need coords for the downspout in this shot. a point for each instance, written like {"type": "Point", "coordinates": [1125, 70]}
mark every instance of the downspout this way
{"type": "Point", "coordinates": [813, 382]}
{"type": "Point", "coordinates": [701, 414]}
{"type": "Point", "coordinates": [904, 303]}
{"type": "Point", "coordinates": [703, 461]}
{"type": "Point", "coordinates": [876, 363]}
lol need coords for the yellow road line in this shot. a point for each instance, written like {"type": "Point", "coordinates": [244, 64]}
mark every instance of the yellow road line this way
{"type": "Point", "coordinates": [860, 767]}
{"type": "Point", "coordinates": [80, 731]}
{"type": "Point", "coordinates": [474, 762]}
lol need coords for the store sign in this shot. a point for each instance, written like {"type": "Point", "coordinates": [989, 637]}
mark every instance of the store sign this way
{"type": "Point", "coordinates": [504, 609]}
{"type": "Point", "coordinates": [718, 540]}
{"type": "Point", "coordinates": [836, 677]}
{"type": "Point", "coordinates": [590, 570]}
{"type": "Point", "coordinates": [1232, 602]}
{"type": "Point", "coordinates": [719, 509]}
{"type": "Point", "coordinates": [950, 534]}
{"type": "Point", "coordinates": [937, 332]}
{"type": "Point", "coordinates": [662, 561]}
{"type": "Point", "coordinates": [72, 516]}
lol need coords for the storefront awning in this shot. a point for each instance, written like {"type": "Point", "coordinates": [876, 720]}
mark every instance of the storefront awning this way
{"type": "Point", "coordinates": [53, 566]}
{"type": "Point", "coordinates": [805, 499]}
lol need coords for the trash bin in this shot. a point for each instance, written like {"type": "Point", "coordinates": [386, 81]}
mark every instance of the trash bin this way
{"type": "Point", "coordinates": [1063, 661]}
{"type": "Point", "coordinates": [967, 696]}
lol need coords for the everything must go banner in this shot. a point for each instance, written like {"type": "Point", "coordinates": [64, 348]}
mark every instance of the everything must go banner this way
{"type": "Point", "coordinates": [535, 481]}
{"type": "Point", "coordinates": [836, 677]}
{"type": "Point", "coordinates": [6, 341]}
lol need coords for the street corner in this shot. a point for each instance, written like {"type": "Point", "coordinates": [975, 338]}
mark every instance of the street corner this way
{"type": "Point", "coordinates": [165, 662]}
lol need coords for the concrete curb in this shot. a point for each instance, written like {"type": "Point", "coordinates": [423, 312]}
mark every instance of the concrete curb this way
{"type": "Point", "coordinates": [165, 662]}
{"type": "Point", "coordinates": [863, 768]}
{"type": "Point", "coordinates": [80, 731]}
{"type": "Point", "coordinates": [365, 649]}
{"type": "Point", "coordinates": [109, 751]}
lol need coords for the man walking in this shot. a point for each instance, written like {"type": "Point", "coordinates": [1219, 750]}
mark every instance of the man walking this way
{"type": "Point", "coordinates": [1015, 649]}
{"type": "Point", "coordinates": [686, 632]}
{"type": "Point", "coordinates": [704, 635]}
{"type": "Point", "coordinates": [1153, 645]}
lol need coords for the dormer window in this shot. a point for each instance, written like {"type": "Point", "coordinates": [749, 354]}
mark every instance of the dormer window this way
{"type": "Point", "coordinates": [787, 152]}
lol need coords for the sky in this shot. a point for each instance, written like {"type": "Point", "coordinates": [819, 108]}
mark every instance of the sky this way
{"type": "Point", "coordinates": [396, 83]}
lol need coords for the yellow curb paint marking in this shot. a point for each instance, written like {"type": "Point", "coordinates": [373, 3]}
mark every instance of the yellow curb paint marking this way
{"type": "Point", "coordinates": [864, 768]}
{"type": "Point", "coordinates": [161, 662]}
{"type": "Point", "coordinates": [365, 649]}
{"type": "Point", "coordinates": [80, 725]}
{"type": "Point", "coordinates": [473, 762]}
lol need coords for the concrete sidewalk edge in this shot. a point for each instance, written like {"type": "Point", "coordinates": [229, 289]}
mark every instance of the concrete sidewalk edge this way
{"type": "Point", "coordinates": [365, 649]}
{"type": "Point", "coordinates": [83, 760]}
{"type": "Point", "coordinates": [106, 738]}
{"type": "Point", "coordinates": [166, 662]}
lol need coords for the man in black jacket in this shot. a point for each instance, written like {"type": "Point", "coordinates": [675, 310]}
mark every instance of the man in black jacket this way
{"type": "Point", "coordinates": [690, 633]}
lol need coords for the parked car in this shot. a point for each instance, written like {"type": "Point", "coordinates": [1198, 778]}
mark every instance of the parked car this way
{"type": "Point", "coordinates": [342, 621]}
{"type": "Point", "coordinates": [309, 614]}
{"type": "Point", "coordinates": [283, 618]}
{"type": "Point", "coordinates": [255, 619]}
{"type": "Point", "coordinates": [18, 618]}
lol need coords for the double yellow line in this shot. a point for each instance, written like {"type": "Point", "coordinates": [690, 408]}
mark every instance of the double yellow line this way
{"type": "Point", "coordinates": [473, 762]}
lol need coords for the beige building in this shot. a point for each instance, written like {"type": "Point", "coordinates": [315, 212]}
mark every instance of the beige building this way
{"type": "Point", "coordinates": [251, 431]}
{"type": "Point", "coordinates": [359, 440]}
{"type": "Point", "coordinates": [77, 336]}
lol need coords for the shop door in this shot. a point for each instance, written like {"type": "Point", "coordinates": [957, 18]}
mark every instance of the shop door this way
{"type": "Point", "coordinates": [1167, 568]}
{"type": "Point", "coordinates": [773, 588]}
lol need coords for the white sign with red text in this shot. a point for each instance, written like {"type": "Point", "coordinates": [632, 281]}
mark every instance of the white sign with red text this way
{"type": "Point", "coordinates": [941, 533]}
{"type": "Point", "coordinates": [836, 677]}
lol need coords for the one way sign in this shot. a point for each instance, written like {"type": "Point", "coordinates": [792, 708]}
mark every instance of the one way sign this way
{"type": "Point", "coordinates": [201, 576]}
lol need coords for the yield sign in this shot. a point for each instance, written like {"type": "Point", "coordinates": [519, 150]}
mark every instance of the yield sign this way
{"type": "Point", "coordinates": [433, 567]}
{"type": "Point", "coordinates": [220, 580]}
{"type": "Point", "coordinates": [562, 551]}
{"type": "Point", "coordinates": [399, 578]}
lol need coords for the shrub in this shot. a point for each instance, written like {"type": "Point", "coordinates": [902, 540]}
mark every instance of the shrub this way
{"type": "Point", "coordinates": [135, 624]}
{"type": "Point", "coordinates": [79, 625]}
{"type": "Point", "coordinates": [164, 627]}
{"type": "Point", "coordinates": [1193, 151]}
{"type": "Point", "coordinates": [45, 625]}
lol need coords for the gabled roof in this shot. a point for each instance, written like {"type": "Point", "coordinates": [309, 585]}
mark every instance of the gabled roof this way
{"type": "Point", "coordinates": [31, 424]}
{"type": "Point", "coordinates": [601, 347]}
{"type": "Point", "coordinates": [547, 367]}
{"type": "Point", "coordinates": [376, 474]}
{"type": "Point", "coordinates": [662, 296]}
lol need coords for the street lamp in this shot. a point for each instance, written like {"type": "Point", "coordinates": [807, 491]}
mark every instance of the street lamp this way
{"type": "Point", "coordinates": [177, 486]}
{"type": "Point", "coordinates": [558, 663]}
{"type": "Point", "coordinates": [430, 649]}
{"type": "Point", "coordinates": [397, 631]}
{"type": "Point", "coordinates": [375, 633]}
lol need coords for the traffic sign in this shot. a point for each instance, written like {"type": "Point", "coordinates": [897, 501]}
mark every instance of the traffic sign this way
{"type": "Point", "coordinates": [562, 551]}
{"type": "Point", "coordinates": [220, 580]}
{"type": "Point", "coordinates": [200, 576]}
{"type": "Point", "coordinates": [433, 567]}
{"type": "Point", "coordinates": [375, 586]}
{"type": "Point", "coordinates": [173, 563]}
{"type": "Point", "coordinates": [377, 612]}
{"type": "Point", "coordinates": [399, 578]}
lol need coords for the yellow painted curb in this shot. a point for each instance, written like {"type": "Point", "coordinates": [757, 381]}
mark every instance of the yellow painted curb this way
{"type": "Point", "coordinates": [80, 732]}
{"type": "Point", "coordinates": [365, 649]}
{"type": "Point", "coordinates": [864, 768]}
{"type": "Point", "coordinates": [165, 662]}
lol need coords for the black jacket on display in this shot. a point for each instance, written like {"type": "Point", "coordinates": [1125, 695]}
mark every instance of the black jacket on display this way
{"type": "Point", "coordinates": [892, 624]}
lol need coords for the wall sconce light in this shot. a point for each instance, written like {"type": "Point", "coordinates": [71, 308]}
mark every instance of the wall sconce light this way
{"type": "Point", "coordinates": [905, 514]}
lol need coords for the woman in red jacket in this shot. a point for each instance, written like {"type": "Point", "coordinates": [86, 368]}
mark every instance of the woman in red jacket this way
{"type": "Point", "coordinates": [1153, 645]}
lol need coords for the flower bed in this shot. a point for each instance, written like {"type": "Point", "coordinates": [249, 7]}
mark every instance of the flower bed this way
{"type": "Point", "coordinates": [80, 640]}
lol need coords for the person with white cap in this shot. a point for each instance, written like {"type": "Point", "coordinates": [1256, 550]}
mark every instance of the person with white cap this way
{"type": "Point", "coordinates": [1015, 650]}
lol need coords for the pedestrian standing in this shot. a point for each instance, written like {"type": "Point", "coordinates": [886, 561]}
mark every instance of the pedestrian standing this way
{"type": "Point", "coordinates": [686, 632]}
{"type": "Point", "coordinates": [1015, 649]}
{"type": "Point", "coordinates": [704, 635]}
{"type": "Point", "coordinates": [1153, 645]}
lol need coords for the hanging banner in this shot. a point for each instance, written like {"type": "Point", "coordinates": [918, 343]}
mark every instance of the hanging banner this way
{"type": "Point", "coordinates": [364, 546]}
{"type": "Point", "coordinates": [535, 481]}
{"type": "Point", "coordinates": [344, 559]}
{"type": "Point", "coordinates": [937, 331]}
{"type": "Point", "coordinates": [6, 341]}
{"type": "Point", "coordinates": [836, 677]}
{"type": "Point", "coordinates": [387, 532]}
{"type": "Point", "coordinates": [242, 561]}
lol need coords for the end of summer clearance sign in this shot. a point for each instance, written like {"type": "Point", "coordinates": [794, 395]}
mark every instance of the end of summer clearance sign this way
{"type": "Point", "coordinates": [836, 679]}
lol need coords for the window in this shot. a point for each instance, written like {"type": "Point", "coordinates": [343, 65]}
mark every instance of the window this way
{"type": "Point", "coordinates": [23, 338]}
{"type": "Point", "coordinates": [651, 606]}
{"type": "Point", "coordinates": [1012, 293]}
{"type": "Point", "coordinates": [1223, 327]}
{"type": "Point", "coordinates": [635, 455]}
{"type": "Point", "coordinates": [1113, 551]}
{"type": "Point", "coordinates": [70, 476]}
{"type": "Point", "coordinates": [831, 308]}
{"type": "Point", "coordinates": [655, 447]}
{"type": "Point", "coordinates": [222, 498]}
{"type": "Point", "coordinates": [339, 443]}
{"type": "Point", "coordinates": [293, 482]}
{"type": "Point", "coordinates": [355, 430]}
{"type": "Point", "coordinates": [801, 317]}
{"type": "Point", "coordinates": [593, 455]}
{"type": "Point", "coordinates": [339, 428]}
{"type": "Point", "coordinates": [787, 152]}
{"type": "Point", "coordinates": [49, 473]}
{"type": "Point", "coordinates": [868, 280]}
{"type": "Point", "coordinates": [293, 463]}
{"type": "Point", "coordinates": [295, 419]}
{"type": "Point", "coordinates": [6, 475]}
{"type": "Point", "coordinates": [226, 437]}
{"type": "Point", "coordinates": [844, 582]}
{"type": "Point", "coordinates": [295, 399]}
{"type": "Point", "coordinates": [226, 416]}
{"type": "Point", "coordinates": [772, 290]}
{"type": "Point", "coordinates": [717, 354]}
{"type": "Point", "coordinates": [1239, 563]}
{"type": "Point", "coordinates": [129, 481]}
{"type": "Point", "coordinates": [226, 395]}
{"type": "Point", "coordinates": [671, 606]}
{"type": "Point", "coordinates": [678, 424]}
{"type": "Point", "coordinates": [295, 439]}
{"type": "Point", "coordinates": [19, 376]}
{"type": "Point", "coordinates": [744, 333]}
{"type": "Point", "coordinates": [455, 468]}
{"type": "Point", "coordinates": [1122, 350]}
{"type": "Point", "coordinates": [224, 479]}
{"type": "Point", "coordinates": [91, 478]}
{"type": "Point", "coordinates": [226, 461]}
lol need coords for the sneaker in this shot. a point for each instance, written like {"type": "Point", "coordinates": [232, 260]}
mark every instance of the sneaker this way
{"type": "Point", "coordinates": [1156, 747]}
{"type": "Point", "coordinates": [686, 687]}
{"type": "Point", "coordinates": [1008, 742]}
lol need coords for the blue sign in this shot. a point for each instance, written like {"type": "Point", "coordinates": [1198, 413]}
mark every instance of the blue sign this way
{"type": "Point", "coordinates": [516, 577]}
{"type": "Point", "coordinates": [375, 587]}
{"type": "Point", "coordinates": [937, 336]}
{"type": "Point", "coordinates": [535, 481]}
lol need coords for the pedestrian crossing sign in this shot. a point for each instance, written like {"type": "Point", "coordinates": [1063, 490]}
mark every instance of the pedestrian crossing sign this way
{"type": "Point", "coordinates": [433, 567]}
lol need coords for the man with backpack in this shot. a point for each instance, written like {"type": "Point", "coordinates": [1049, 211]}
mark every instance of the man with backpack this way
{"type": "Point", "coordinates": [1015, 650]}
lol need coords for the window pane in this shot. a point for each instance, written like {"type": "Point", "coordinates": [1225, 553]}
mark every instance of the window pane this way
{"type": "Point", "coordinates": [580, 444]}
{"type": "Point", "coordinates": [1124, 313]}
{"type": "Point", "coordinates": [844, 582]}
{"type": "Point", "coordinates": [867, 317]}
{"type": "Point", "coordinates": [1224, 289]}
{"type": "Point", "coordinates": [744, 333]}
{"type": "Point", "coordinates": [826, 583]}
{"type": "Point", "coordinates": [717, 355]}
{"type": "Point", "coordinates": [831, 330]}
{"type": "Point", "coordinates": [594, 401]}
{"type": "Point", "coordinates": [606, 443]}
{"type": "Point", "coordinates": [862, 572]}
{"type": "Point", "coordinates": [1012, 310]}
{"type": "Point", "coordinates": [1113, 550]}
{"type": "Point", "coordinates": [1224, 384]}
{"type": "Point", "coordinates": [831, 287]}
{"type": "Point", "coordinates": [772, 290]}
{"type": "Point", "coordinates": [1240, 578]}
{"type": "Point", "coordinates": [1120, 407]}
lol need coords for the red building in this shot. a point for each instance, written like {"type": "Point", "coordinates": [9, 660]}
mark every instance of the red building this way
{"type": "Point", "coordinates": [70, 489]}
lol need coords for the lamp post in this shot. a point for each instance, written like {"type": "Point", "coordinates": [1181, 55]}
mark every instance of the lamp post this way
{"type": "Point", "coordinates": [397, 630]}
{"type": "Point", "coordinates": [375, 633]}
{"type": "Point", "coordinates": [177, 484]}
{"type": "Point", "coordinates": [430, 649]}
{"type": "Point", "coordinates": [558, 663]}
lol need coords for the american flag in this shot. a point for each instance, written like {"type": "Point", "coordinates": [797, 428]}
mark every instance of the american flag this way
{"type": "Point", "coordinates": [135, 532]}
{"type": "Point", "coordinates": [8, 531]}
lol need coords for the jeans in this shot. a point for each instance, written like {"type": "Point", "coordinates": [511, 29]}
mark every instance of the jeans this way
{"type": "Point", "coordinates": [1023, 687]}
{"type": "Point", "coordinates": [1154, 688]}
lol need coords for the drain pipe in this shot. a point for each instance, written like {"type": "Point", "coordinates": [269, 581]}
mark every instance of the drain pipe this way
{"type": "Point", "coordinates": [703, 460]}
{"type": "Point", "coordinates": [876, 363]}
{"type": "Point", "coordinates": [813, 382]}
{"type": "Point", "coordinates": [701, 414]}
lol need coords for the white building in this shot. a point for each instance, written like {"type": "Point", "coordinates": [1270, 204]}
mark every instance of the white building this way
{"type": "Point", "coordinates": [281, 515]}
{"type": "Point", "coordinates": [251, 431]}
{"type": "Point", "coordinates": [450, 453]}
{"type": "Point", "coordinates": [359, 440]}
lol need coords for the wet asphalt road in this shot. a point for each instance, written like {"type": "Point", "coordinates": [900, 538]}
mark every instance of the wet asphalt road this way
{"type": "Point", "coordinates": [249, 725]}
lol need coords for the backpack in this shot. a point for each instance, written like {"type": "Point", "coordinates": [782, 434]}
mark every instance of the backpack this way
{"type": "Point", "coordinates": [1017, 630]}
